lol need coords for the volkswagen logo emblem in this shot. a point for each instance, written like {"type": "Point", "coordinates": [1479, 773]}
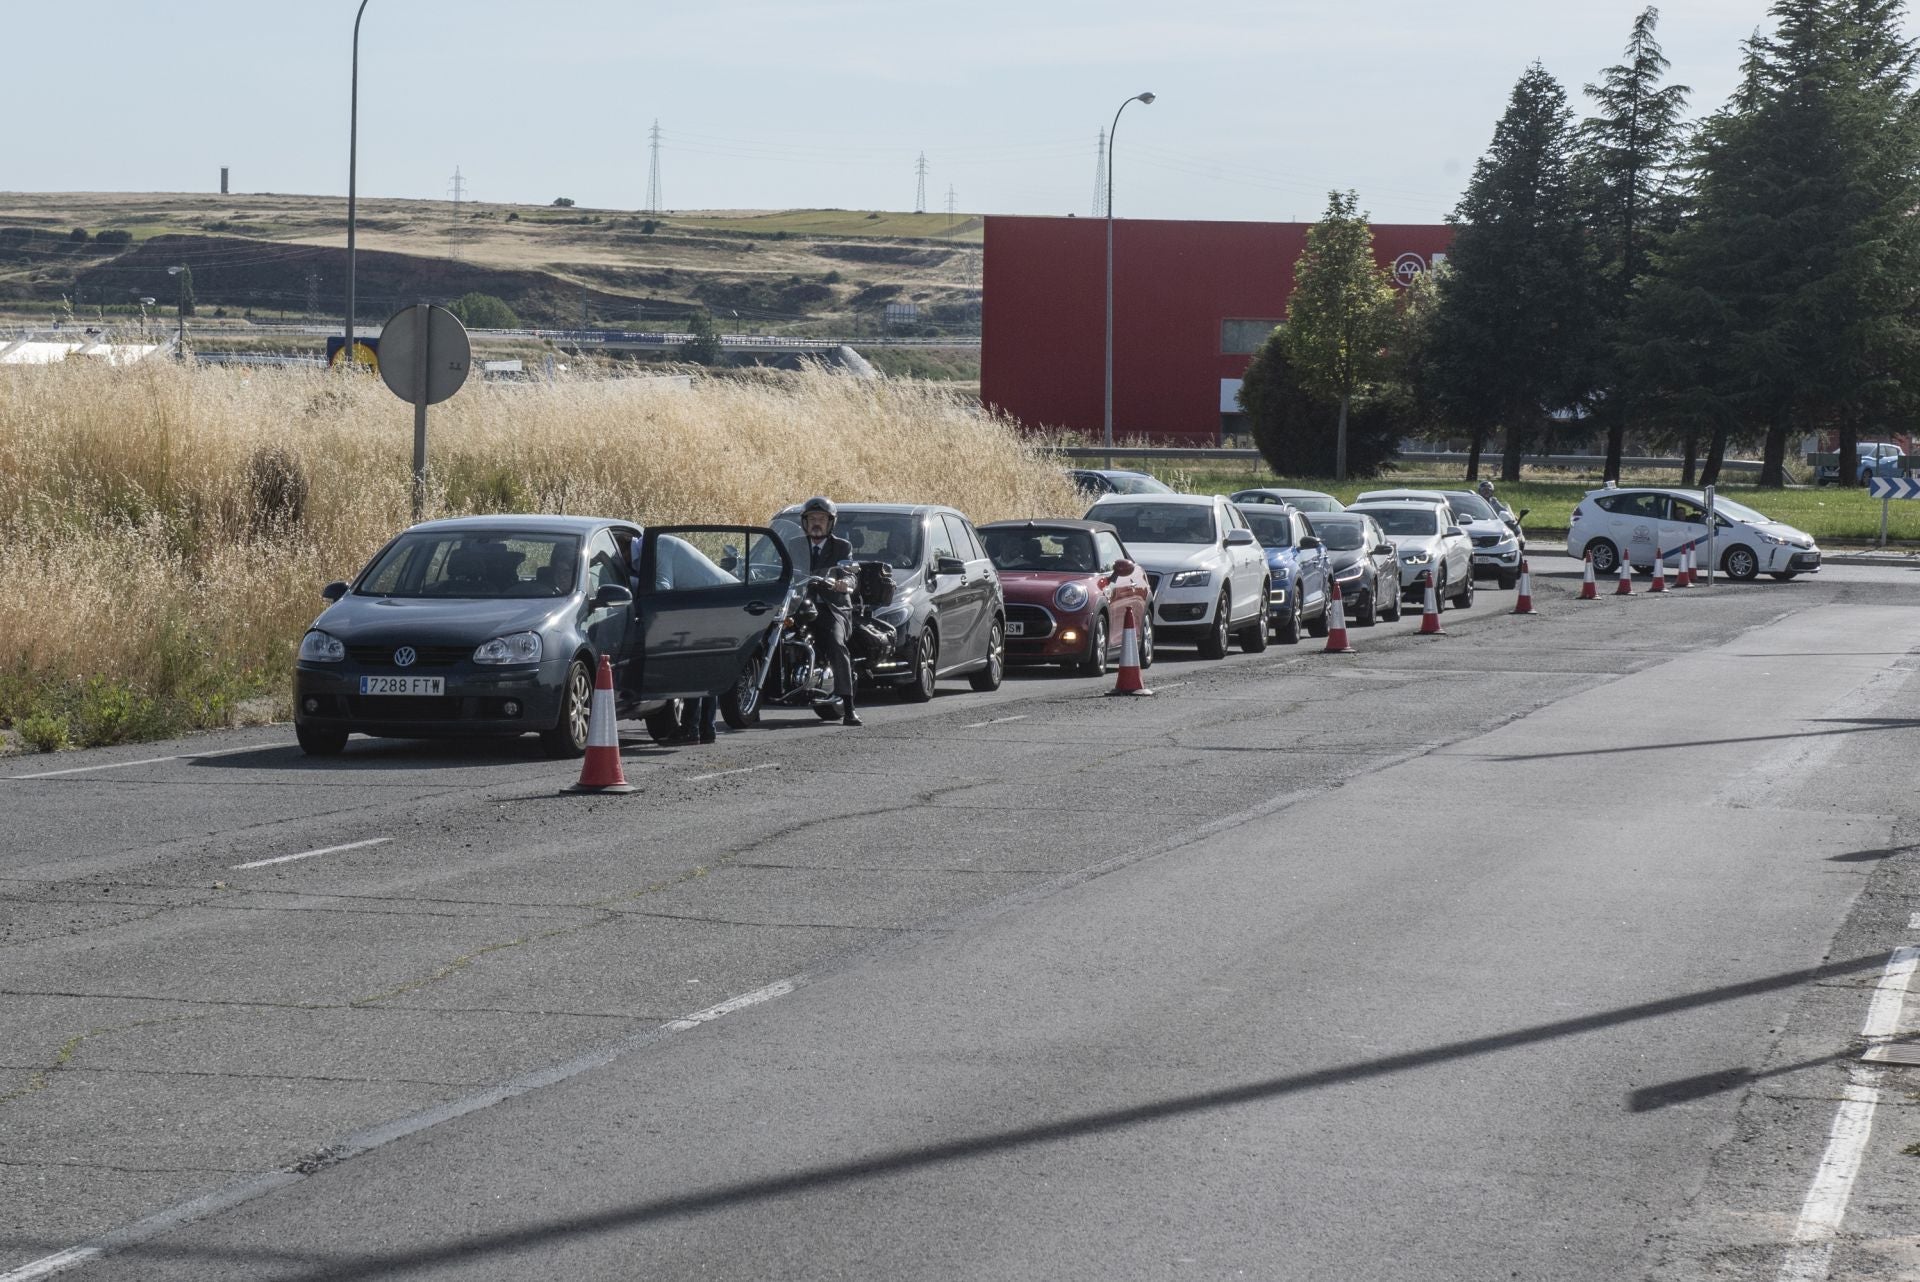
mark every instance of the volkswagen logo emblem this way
{"type": "Point", "coordinates": [404, 657]}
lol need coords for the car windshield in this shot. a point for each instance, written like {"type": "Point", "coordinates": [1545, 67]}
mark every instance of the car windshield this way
{"type": "Point", "coordinates": [1407, 520]}
{"type": "Point", "coordinates": [1130, 483]}
{"type": "Point", "coordinates": [1065, 551]}
{"type": "Point", "coordinates": [892, 537]}
{"type": "Point", "coordinates": [1471, 507]}
{"type": "Point", "coordinates": [1274, 527]}
{"type": "Point", "coordinates": [1341, 535]}
{"type": "Point", "coordinates": [1739, 512]}
{"type": "Point", "coordinates": [1315, 503]}
{"type": "Point", "coordinates": [1159, 522]}
{"type": "Point", "coordinates": [477, 565]}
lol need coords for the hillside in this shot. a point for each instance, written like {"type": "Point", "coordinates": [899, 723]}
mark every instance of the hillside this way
{"type": "Point", "coordinates": [283, 257]}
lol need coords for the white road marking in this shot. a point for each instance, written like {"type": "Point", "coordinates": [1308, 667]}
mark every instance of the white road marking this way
{"type": "Point", "coordinates": [144, 761]}
{"type": "Point", "coordinates": [1913, 922]}
{"type": "Point", "coordinates": [247, 1189]}
{"type": "Point", "coordinates": [997, 721]}
{"type": "Point", "coordinates": [1811, 1256]}
{"type": "Point", "coordinates": [308, 854]}
{"type": "Point", "coordinates": [743, 770]}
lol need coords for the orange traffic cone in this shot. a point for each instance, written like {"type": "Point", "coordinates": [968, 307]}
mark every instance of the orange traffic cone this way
{"type": "Point", "coordinates": [1689, 570]}
{"type": "Point", "coordinates": [1336, 626]}
{"type": "Point", "coordinates": [1680, 571]}
{"type": "Point", "coordinates": [1430, 615]}
{"type": "Point", "coordinates": [1659, 571]}
{"type": "Point", "coordinates": [1589, 590]}
{"type": "Point", "coordinates": [1626, 577]}
{"type": "Point", "coordinates": [601, 771]}
{"type": "Point", "coordinates": [1129, 682]}
{"type": "Point", "coordinates": [1523, 602]}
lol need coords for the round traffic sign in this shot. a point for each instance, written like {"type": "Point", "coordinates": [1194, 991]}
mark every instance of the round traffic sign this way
{"type": "Point", "coordinates": [429, 376]}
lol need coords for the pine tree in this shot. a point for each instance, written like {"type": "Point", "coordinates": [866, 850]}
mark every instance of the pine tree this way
{"type": "Point", "coordinates": [1625, 168]}
{"type": "Point", "coordinates": [1341, 314]}
{"type": "Point", "coordinates": [1511, 341]}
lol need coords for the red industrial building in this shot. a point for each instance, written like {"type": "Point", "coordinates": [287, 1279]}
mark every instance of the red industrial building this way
{"type": "Point", "coordinates": [1191, 302]}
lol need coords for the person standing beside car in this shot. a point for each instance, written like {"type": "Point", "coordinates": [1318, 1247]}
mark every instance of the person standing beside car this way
{"type": "Point", "coordinates": [827, 557]}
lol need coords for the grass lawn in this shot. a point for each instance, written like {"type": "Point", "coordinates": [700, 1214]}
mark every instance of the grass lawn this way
{"type": "Point", "coordinates": [1830, 515]}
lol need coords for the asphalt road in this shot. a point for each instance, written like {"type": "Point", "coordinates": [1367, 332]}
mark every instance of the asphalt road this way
{"type": "Point", "coordinates": [1540, 950]}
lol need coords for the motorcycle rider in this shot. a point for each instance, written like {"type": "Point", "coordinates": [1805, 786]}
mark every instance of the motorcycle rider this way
{"type": "Point", "coordinates": [827, 557]}
{"type": "Point", "coordinates": [1500, 509]}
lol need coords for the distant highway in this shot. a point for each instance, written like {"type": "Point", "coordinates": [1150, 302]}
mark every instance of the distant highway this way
{"type": "Point", "coordinates": [657, 338]}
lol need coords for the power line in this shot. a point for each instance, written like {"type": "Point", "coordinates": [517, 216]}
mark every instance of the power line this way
{"type": "Point", "coordinates": [653, 169]}
{"type": "Point", "coordinates": [459, 193]}
{"type": "Point", "coordinates": [920, 191]}
{"type": "Point", "coordinates": [953, 205]}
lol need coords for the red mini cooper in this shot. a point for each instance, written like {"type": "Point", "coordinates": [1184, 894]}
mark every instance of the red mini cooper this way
{"type": "Point", "coordinates": [1070, 589]}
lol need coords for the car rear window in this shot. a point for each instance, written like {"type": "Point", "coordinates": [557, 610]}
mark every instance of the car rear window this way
{"type": "Point", "coordinates": [1159, 522]}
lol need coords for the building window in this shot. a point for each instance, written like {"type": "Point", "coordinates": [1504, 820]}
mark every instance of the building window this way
{"type": "Point", "coordinates": [1243, 337]}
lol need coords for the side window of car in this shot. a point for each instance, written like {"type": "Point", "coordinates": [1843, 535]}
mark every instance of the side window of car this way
{"type": "Point", "coordinates": [958, 535]}
{"type": "Point", "coordinates": [1304, 526]}
{"type": "Point", "coordinates": [941, 541]}
{"type": "Point", "coordinates": [1645, 506]}
{"type": "Point", "coordinates": [605, 563]}
{"type": "Point", "coordinates": [1109, 548]}
{"type": "Point", "coordinates": [1688, 513]}
{"type": "Point", "coordinates": [1608, 503]}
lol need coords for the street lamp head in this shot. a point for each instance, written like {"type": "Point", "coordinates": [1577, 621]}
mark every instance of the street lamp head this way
{"type": "Point", "coordinates": [1144, 97]}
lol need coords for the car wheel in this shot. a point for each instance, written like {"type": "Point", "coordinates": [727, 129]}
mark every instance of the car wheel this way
{"type": "Point", "coordinates": [740, 706]}
{"type": "Point", "coordinates": [1784, 575]}
{"type": "Point", "coordinates": [1095, 664]}
{"type": "Point", "coordinates": [989, 677]}
{"type": "Point", "coordinates": [663, 723]}
{"type": "Point", "coordinates": [1439, 594]}
{"type": "Point", "coordinates": [1399, 602]}
{"type": "Point", "coordinates": [1253, 637]}
{"type": "Point", "coordinates": [1366, 610]}
{"type": "Point", "coordinates": [926, 665]}
{"type": "Point", "coordinates": [1320, 626]}
{"type": "Point", "coordinates": [318, 742]}
{"type": "Point", "coordinates": [1465, 599]}
{"type": "Point", "coordinates": [568, 737]}
{"type": "Point", "coordinates": [1740, 563]}
{"type": "Point", "coordinates": [1606, 557]}
{"type": "Point", "coordinates": [1289, 629]}
{"type": "Point", "coordinates": [1146, 639]}
{"type": "Point", "coordinates": [1508, 582]}
{"type": "Point", "coordinates": [1214, 644]}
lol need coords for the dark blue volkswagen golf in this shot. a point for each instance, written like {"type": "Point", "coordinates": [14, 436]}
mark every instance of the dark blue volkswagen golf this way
{"type": "Point", "coordinates": [495, 625]}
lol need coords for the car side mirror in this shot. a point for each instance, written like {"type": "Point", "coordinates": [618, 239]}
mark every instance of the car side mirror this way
{"type": "Point", "coordinates": [1123, 567]}
{"type": "Point", "coordinates": [949, 565]}
{"type": "Point", "coordinates": [1240, 538]}
{"type": "Point", "coordinates": [1308, 543]}
{"type": "Point", "coordinates": [1455, 532]}
{"type": "Point", "coordinates": [1383, 549]}
{"type": "Point", "coordinates": [612, 594]}
{"type": "Point", "coordinates": [333, 591]}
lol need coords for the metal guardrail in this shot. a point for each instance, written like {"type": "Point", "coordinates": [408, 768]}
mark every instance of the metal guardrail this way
{"type": "Point", "coordinates": [1225, 455]}
{"type": "Point", "coordinates": [650, 338]}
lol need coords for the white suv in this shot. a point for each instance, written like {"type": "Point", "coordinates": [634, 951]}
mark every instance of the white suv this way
{"type": "Point", "coordinates": [1206, 569]}
{"type": "Point", "coordinates": [1635, 523]}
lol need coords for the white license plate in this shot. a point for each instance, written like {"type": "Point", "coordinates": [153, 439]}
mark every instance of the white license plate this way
{"type": "Point", "coordinates": [1016, 629]}
{"type": "Point", "coordinates": [403, 685]}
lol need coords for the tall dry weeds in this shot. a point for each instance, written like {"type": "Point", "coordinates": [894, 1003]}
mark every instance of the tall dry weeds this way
{"type": "Point", "coordinates": [134, 548]}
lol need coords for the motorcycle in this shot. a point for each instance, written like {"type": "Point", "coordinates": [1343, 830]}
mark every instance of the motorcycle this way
{"type": "Point", "coordinates": [796, 675]}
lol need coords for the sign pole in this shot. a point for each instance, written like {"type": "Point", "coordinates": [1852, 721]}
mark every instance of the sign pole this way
{"type": "Point", "coordinates": [420, 408]}
{"type": "Point", "coordinates": [1885, 500]}
{"type": "Point", "coordinates": [1713, 524]}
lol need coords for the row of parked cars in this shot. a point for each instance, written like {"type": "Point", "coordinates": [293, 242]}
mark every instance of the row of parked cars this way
{"type": "Point", "coordinates": [496, 624]}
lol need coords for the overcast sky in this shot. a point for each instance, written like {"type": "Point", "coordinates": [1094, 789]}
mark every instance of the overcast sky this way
{"type": "Point", "coordinates": [1263, 104]}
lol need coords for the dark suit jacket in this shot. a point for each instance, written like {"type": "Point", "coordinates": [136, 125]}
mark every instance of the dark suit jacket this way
{"type": "Point", "coordinates": [831, 552]}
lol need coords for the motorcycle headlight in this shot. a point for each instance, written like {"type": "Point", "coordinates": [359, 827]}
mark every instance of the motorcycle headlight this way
{"type": "Point", "coordinates": [321, 647]}
{"type": "Point", "coordinates": [1071, 597]}
{"type": "Point", "coordinates": [1191, 579]}
{"type": "Point", "coordinates": [515, 647]}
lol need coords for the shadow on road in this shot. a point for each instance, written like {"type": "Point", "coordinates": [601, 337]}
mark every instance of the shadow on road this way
{"type": "Point", "coordinates": [898, 1161]}
{"type": "Point", "coordinates": [1851, 725]}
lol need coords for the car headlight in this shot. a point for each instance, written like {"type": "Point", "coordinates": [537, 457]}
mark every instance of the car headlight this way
{"type": "Point", "coordinates": [1353, 571]}
{"type": "Point", "coordinates": [1191, 579]}
{"type": "Point", "coordinates": [1071, 597]}
{"type": "Point", "coordinates": [321, 647]}
{"type": "Point", "coordinates": [1415, 558]}
{"type": "Point", "coordinates": [515, 647]}
{"type": "Point", "coordinates": [1776, 542]}
{"type": "Point", "coordinates": [896, 614]}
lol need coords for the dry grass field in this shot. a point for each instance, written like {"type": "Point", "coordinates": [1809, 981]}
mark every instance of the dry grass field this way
{"type": "Point", "coordinates": [165, 530]}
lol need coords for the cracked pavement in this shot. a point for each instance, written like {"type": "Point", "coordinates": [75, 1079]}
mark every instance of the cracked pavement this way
{"type": "Point", "coordinates": [1437, 839]}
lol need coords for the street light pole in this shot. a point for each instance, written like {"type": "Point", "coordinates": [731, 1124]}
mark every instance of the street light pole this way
{"type": "Point", "coordinates": [1107, 403]}
{"type": "Point", "coordinates": [353, 164]}
{"type": "Point", "coordinates": [180, 277]}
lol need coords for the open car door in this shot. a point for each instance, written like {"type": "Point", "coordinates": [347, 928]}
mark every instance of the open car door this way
{"type": "Point", "coordinates": [707, 595]}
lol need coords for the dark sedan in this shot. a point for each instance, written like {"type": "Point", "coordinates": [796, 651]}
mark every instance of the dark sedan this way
{"type": "Point", "coordinates": [1362, 562]}
{"type": "Point", "coordinates": [495, 625]}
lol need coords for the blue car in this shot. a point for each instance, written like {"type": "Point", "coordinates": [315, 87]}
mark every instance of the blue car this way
{"type": "Point", "coordinates": [1297, 560]}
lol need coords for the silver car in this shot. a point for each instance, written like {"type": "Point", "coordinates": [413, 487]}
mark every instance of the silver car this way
{"type": "Point", "coordinates": [1426, 541]}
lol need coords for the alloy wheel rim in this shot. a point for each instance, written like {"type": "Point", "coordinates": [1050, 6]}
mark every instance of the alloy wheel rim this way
{"type": "Point", "coordinates": [997, 651]}
{"type": "Point", "coordinates": [929, 661]}
{"type": "Point", "coordinates": [580, 701]}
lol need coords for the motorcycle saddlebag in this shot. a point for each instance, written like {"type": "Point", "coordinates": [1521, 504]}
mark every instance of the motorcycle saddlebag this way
{"type": "Point", "coordinates": [873, 580]}
{"type": "Point", "coordinates": [872, 640]}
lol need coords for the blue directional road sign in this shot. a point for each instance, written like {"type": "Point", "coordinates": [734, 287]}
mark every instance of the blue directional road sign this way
{"type": "Point", "coordinates": [1893, 487]}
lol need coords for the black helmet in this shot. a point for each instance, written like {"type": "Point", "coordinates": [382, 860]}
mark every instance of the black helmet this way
{"type": "Point", "coordinates": [821, 503]}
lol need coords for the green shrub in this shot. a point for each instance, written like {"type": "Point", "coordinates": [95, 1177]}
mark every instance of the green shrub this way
{"type": "Point", "coordinates": [44, 732]}
{"type": "Point", "coordinates": [483, 311]}
{"type": "Point", "coordinates": [79, 236]}
{"type": "Point", "coordinates": [114, 236]}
